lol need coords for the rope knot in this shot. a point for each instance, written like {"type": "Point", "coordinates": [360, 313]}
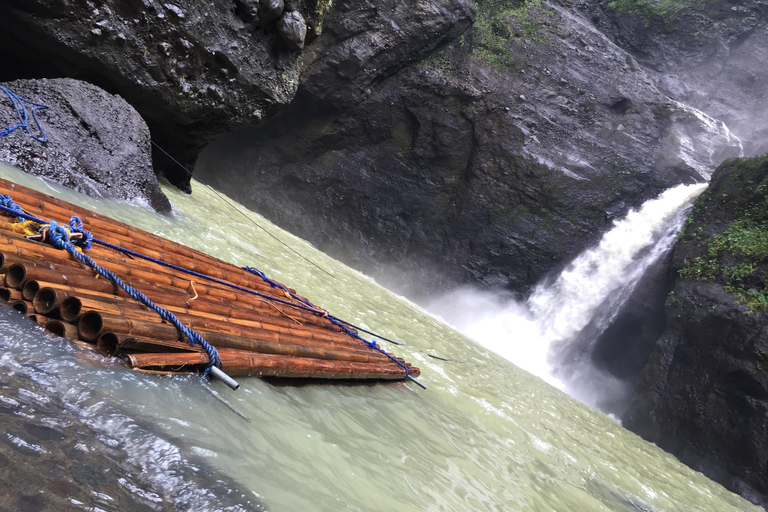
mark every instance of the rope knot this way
{"type": "Point", "coordinates": [58, 235]}
{"type": "Point", "coordinates": [76, 226]}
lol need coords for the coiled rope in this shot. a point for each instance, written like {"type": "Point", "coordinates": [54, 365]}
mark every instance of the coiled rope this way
{"type": "Point", "coordinates": [59, 237]}
{"type": "Point", "coordinates": [20, 105]}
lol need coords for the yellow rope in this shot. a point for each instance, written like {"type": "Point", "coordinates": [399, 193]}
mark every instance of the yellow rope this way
{"type": "Point", "coordinates": [27, 227]}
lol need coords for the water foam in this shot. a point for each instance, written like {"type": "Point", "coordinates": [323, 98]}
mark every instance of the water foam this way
{"type": "Point", "coordinates": [590, 290]}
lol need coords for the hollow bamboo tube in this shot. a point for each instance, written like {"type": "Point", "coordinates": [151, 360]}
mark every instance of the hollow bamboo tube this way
{"type": "Point", "coordinates": [22, 306]}
{"type": "Point", "coordinates": [72, 311]}
{"type": "Point", "coordinates": [61, 329]}
{"type": "Point", "coordinates": [241, 363]}
{"type": "Point", "coordinates": [212, 326]}
{"type": "Point", "coordinates": [93, 324]}
{"type": "Point", "coordinates": [71, 308]}
{"type": "Point", "coordinates": [19, 273]}
{"type": "Point", "coordinates": [39, 319]}
{"type": "Point", "coordinates": [10, 295]}
{"type": "Point", "coordinates": [46, 301]}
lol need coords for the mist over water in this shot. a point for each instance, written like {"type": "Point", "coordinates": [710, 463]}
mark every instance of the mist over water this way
{"type": "Point", "coordinates": [547, 335]}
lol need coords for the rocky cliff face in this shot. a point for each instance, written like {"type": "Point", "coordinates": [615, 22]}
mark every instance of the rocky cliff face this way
{"type": "Point", "coordinates": [710, 55]}
{"type": "Point", "coordinates": [194, 70]}
{"type": "Point", "coordinates": [490, 155]}
{"type": "Point", "coordinates": [704, 394]}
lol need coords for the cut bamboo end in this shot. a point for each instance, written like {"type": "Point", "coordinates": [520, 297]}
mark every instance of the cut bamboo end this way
{"type": "Point", "coordinates": [61, 329]}
{"type": "Point", "coordinates": [29, 289]}
{"type": "Point", "coordinates": [47, 301]}
{"type": "Point", "coordinates": [15, 276]}
{"type": "Point", "coordinates": [22, 306]}
{"type": "Point", "coordinates": [108, 344]}
{"type": "Point", "coordinates": [69, 310]}
{"type": "Point", "coordinates": [90, 326]}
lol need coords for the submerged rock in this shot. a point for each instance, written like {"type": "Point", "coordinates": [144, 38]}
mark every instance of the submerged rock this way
{"type": "Point", "coordinates": [97, 143]}
{"type": "Point", "coordinates": [704, 394]}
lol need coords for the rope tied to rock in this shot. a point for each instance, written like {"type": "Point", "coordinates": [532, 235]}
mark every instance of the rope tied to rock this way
{"type": "Point", "coordinates": [20, 105]}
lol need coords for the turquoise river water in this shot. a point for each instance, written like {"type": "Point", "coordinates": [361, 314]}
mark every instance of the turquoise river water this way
{"type": "Point", "coordinates": [485, 435]}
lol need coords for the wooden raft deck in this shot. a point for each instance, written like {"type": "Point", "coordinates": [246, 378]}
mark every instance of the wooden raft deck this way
{"type": "Point", "coordinates": [254, 336]}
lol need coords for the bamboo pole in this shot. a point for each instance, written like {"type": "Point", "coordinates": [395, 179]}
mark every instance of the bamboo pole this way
{"type": "Point", "coordinates": [61, 329]}
{"type": "Point", "coordinates": [212, 326]}
{"type": "Point", "coordinates": [46, 301]}
{"type": "Point", "coordinates": [30, 287]}
{"type": "Point", "coordinates": [241, 363]}
{"type": "Point", "coordinates": [111, 343]}
{"type": "Point", "coordinates": [74, 305]}
{"type": "Point", "coordinates": [93, 324]}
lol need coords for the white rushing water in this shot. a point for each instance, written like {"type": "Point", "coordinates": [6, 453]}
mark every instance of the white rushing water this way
{"type": "Point", "coordinates": [485, 435]}
{"type": "Point", "coordinates": [591, 290]}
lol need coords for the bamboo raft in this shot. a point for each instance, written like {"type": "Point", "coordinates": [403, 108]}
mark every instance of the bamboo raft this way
{"type": "Point", "coordinates": [253, 334]}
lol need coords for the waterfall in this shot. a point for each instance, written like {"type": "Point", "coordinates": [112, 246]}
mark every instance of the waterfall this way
{"type": "Point", "coordinates": [590, 291]}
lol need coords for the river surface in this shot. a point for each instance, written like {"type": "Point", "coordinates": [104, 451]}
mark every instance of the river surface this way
{"type": "Point", "coordinates": [485, 435]}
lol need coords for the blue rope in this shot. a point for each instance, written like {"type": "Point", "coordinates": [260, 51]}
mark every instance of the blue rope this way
{"type": "Point", "coordinates": [275, 284]}
{"type": "Point", "coordinates": [21, 112]}
{"type": "Point", "coordinates": [339, 323]}
{"type": "Point", "coordinates": [60, 239]}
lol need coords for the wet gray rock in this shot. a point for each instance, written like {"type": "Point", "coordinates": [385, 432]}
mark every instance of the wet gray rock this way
{"type": "Point", "coordinates": [710, 55]}
{"type": "Point", "coordinates": [270, 10]}
{"type": "Point", "coordinates": [97, 143]}
{"type": "Point", "coordinates": [292, 29]}
{"type": "Point", "coordinates": [431, 155]}
{"type": "Point", "coordinates": [162, 57]}
{"type": "Point", "coordinates": [704, 394]}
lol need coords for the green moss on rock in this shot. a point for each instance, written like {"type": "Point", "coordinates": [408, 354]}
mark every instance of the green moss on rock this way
{"type": "Point", "coordinates": [498, 21]}
{"type": "Point", "coordinates": [726, 238]}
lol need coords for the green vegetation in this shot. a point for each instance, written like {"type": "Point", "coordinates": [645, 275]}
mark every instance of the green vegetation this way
{"type": "Point", "coordinates": [736, 257]}
{"type": "Point", "coordinates": [762, 361]}
{"type": "Point", "coordinates": [498, 21]}
{"type": "Point", "coordinates": [666, 9]}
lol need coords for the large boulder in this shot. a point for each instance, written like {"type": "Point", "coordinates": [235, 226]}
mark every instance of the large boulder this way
{"type": "Point", "coordinates": [97, 143]}
{"type": "Point", "coordinates": [704, 394]}
{"type": "Point", "coordinates": [194, 70]}
{"type": "Point", "coordinates": [493, 158]}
